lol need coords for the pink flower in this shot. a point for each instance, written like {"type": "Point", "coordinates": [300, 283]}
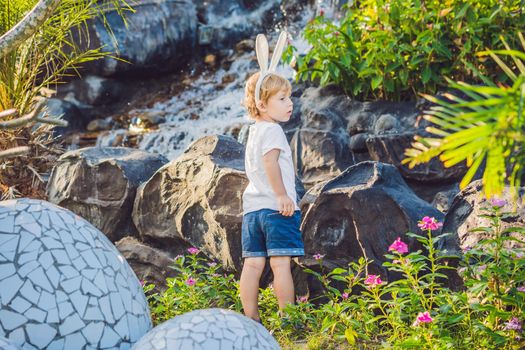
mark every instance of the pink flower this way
{"type": "Point", "coordinates": [193, 250]}
{"type": "Point", "coordinates": [337, 33]}
{"type": "Point", "coordinates": [302, 299]}
{"type": "Point", "coordinates": [345, 296]}
{"type": "Point", "coordinates": [521, 289]}
{"type": "Point", "coordinates": [142, 283]}
{"type": "Point", "coordinates": [373, 281]}
{"type": "Point", "coordinates": [398, 246]}
{"type": "Point", "coordinates": [212, 264]}
{"type": "Point", "coordinates": [178, 257]}
{"type": "Point", "coordinates": [428, 223]}
{"type": "Point", "coordinates": [481, 268]}
{"type": "Point", "coordinates": [498, 203]}
{"type": "Point", "coordinates": [423, 317]}
{"type": "Point", "coordinates": [190, 281]}
{"type": "Point", "coordinates": [513, 325]}
{"type": "Point", "coordinates": [318, 256]}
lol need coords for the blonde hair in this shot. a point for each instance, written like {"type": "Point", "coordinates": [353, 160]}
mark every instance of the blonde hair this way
{"type": "Point", "coordinates": [271, 85]}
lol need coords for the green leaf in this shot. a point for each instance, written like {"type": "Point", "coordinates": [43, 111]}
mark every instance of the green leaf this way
{"type": "Point", "coordinates": [412, 342]}
{"type": "Point", "coordinates": [350, 336]}
{"type": "Point", "coordinates": [455, 319]}
{"type": "Point", "coordinates": [426, 75]}
{"type": "Point", "coordinates": [337, 271]}
{"type": "Point", "coordinates": [403, 75]}
{"type": "Point", "coordinates": [376, 81]}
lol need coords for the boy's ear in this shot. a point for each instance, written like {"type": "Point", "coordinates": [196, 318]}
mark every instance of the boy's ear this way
{"type": "Point", "coordinates": [261, 106]}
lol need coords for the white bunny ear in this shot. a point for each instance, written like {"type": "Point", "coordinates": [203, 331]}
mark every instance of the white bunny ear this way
{"type": "Point", "coordinates": [261, 49]}
{"type": "Point", "coordinates": [278, 51]}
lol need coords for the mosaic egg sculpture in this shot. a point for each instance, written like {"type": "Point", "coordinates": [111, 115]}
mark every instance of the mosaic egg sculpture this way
{"type": "Point", "coordinates": [7, 345]}
{"type": "Point", "coordinates": [63, 284]}
{"type": "Point", "coordinates": [208, 329]}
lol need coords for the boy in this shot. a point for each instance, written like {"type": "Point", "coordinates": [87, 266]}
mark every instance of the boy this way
{"type": "Point", "coordinates": [271, 216]}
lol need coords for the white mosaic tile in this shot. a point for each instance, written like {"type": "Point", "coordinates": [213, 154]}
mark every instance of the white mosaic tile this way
{"type": "Point", "coordinates": [40, 334]}
{"type": "Point", "coordinates": [93, 330]}
{"type": "Point", "coordinates": [11, 320]}
{"type": "Point", "coordinates": [6, 294]}
{"type": "Point", "coordinates": [7, 270]}
{"type": "Point", "coordinates": [64, 285]}
{"type": "Point", "coordinates": [36, 314]}
{"type": "Point", "coordinates": [6, 344]}
{"type": "Point", "coordinates": [20, 305]}
{"type": "Point", "coordinates": [54, 276]}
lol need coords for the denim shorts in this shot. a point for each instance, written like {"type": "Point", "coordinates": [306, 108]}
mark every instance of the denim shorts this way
{"type": "Point", "coordinates": [267, 232]}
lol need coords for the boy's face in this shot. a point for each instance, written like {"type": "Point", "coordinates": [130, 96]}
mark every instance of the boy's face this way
{"type": "Point", "coordinates": [279, 107]}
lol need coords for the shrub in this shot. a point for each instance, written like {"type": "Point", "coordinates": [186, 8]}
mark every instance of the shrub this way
{"type": "Point", "coordinates": [393, 49]}
{"type": "Point", "coordinates": [417, 311]}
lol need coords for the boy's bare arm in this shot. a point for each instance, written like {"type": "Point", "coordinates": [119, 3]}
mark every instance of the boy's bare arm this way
{"type": "Point", "coordinates": [273, 171]}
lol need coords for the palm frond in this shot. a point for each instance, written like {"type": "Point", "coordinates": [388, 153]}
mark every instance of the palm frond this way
{"type": "Point", "coordinates": [487, 127]}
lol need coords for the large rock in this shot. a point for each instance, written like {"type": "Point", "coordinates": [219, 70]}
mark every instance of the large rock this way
{"type": "Point", "coordinates": [320, 146]}
{"type": "Point", "coordinates": [440, 195]}
{"type": "Point", "coordinates": [390, 148]}
{"type": "Point", "coordinates": [320, 155]}
{"type": "Point", "coordinates": [195, 200]}
{"type": "Point", "coordinates": [159, 35]}
{"type": "Point", "coordinates": [63, 284]}
{"type": "Point", "coordinates": [223, 23]}
{"type": "Point", "coordinates": [77, 120]}
{"type": "Point", "coordinates": [382, 117]}
{"type": "Point", "coordinates": [150, 264]}
{"type": "Point", "coordinates": [465, 215]}
{"type": "Point", "coordinates": [100, 184]}
{"type": "Point", "coordinates": [337, 132]}
{"type": "Point", "coordinates": [360, 213]}
{"type": "Point", "coordinates": [92, 91]}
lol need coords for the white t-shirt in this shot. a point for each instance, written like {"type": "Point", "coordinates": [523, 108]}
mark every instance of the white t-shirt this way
{"type": "Point", "coordinates": [262, 138]}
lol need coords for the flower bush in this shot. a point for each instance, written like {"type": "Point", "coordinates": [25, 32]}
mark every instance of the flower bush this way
{"type": "Point", "coordinates": [392, 49]}
{"type": "Point", "coordinates": [416, 311]}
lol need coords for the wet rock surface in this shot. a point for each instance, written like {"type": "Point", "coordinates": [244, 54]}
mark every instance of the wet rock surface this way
{"type": "Point", "coordinates": [195, 200]}
{"type": "Point", "coordinates": [360, 213]}
{"type": "Point", "coordinates": [100, 184]}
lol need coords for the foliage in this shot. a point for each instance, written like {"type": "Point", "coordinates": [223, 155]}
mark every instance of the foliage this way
{"type": "Point", "coordinates": [394, 49]}
{"type": "Point", "coordinates": [485, 127]}
{"type": "Point", "coordinates": [31, 71]}
{"type": "Point", "coordinates": [416, 311]}
{"type": "Point", "coordinates": [198, 285]}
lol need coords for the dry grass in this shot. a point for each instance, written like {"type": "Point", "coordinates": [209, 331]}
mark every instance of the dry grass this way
{"type": "Point", "coordinates": [25, 176]}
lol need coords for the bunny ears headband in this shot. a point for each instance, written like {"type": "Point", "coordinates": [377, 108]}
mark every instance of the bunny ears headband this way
{"type": "Point", "coordinates": [262, 51]}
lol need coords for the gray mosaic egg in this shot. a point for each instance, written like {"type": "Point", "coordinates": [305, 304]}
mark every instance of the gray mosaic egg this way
{"type": "Point", "coordinates": [63, 284]}
{"type": "Point", "coordinates": [7, 345]}
{"type": "Point", "coordinates": [208, 329]}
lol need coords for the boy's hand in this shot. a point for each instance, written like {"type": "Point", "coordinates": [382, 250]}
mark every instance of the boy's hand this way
{"type": "Point", "coordinates": [286, 205]}
{"type": "Point", "coordinates": [273, 171]}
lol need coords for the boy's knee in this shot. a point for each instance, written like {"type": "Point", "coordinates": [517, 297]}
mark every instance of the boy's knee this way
{"type": "Point", "coordinates": [255, 263]}
{"type": "Point", "coordinates": [280, 262]}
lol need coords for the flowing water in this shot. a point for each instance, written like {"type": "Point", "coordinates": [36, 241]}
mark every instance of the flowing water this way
{"type": "Point", "coordinates": [208, 106]}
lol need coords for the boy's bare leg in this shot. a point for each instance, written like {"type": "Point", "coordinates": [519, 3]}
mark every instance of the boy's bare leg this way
{"type": "Point", "coordinates": [249, 285]}
{"type": "Point", "coordinates": [282, 280]}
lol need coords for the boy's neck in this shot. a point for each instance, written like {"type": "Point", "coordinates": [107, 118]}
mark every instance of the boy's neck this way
{"type": "Point", "coordinates": [266, 118]}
